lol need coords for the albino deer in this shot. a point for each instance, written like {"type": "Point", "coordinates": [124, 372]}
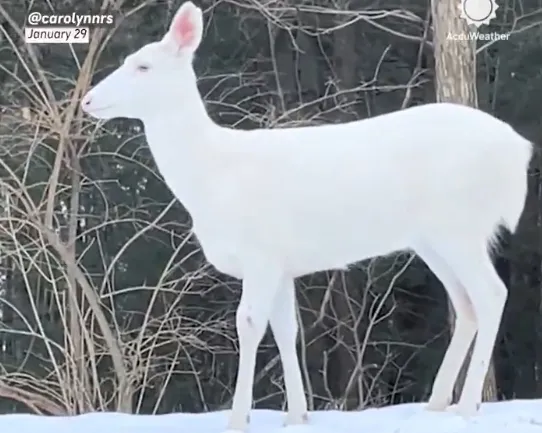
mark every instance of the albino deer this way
{"type": "Point", "coordinates": [271, 205]}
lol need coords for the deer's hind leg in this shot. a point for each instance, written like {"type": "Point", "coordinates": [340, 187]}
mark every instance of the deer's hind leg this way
{"type": "Point", "coordinates": [464, 332]}
{"type": "Point", "coordinates": [488, 295]}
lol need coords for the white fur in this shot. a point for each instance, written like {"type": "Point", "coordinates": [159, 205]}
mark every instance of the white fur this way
{"type": "Point", "coordinates": [272, 205]}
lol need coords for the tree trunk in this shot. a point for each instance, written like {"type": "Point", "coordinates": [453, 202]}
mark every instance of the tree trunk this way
{"type": "Point", "coordinates": [455, 66]}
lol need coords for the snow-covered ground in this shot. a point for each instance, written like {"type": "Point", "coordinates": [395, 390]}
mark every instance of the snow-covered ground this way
{"type": "Point", "coordinates": [518, 416]}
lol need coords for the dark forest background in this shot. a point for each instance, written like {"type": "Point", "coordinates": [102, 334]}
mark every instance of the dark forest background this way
{"type": "Point", "coordinates": [106, 301]}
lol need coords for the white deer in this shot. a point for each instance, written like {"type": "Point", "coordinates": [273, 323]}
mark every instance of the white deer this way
{"type": "Point", "coordinates": [271, 205]}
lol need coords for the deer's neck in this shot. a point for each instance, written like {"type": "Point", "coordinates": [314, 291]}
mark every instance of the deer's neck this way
{"type": "Point", "coordinates": [182, 146]}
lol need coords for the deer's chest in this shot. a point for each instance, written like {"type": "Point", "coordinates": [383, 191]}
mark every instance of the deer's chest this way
{"type": "Point", "coordinates": [219, 247]}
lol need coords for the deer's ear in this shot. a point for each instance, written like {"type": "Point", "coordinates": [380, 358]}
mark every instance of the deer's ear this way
{"type": "Point", "coordinates": [186, 29]}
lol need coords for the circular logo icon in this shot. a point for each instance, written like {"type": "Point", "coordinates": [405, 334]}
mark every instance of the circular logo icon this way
{"type": "Point", "coordinates": [478, 12]}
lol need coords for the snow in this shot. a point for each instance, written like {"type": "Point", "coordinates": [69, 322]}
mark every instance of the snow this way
{"type": "Point", "coordinates": [517, 416]}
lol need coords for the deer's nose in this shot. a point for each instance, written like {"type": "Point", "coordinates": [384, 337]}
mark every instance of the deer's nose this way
{"type": "Point", "coordinates": [87, 100]}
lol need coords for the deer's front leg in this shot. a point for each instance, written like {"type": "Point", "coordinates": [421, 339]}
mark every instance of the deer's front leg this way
{"type": "Point", "coordinates": [284, 326]}
{"type": "Point", "coordinates": [260, 285]}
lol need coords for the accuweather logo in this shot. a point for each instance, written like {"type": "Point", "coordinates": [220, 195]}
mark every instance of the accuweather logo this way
{"type": "Point", "coordinates": [478, 12]}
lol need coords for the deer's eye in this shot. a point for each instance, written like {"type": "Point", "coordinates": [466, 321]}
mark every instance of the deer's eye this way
{"type": "Point", "coordinates": [143, 68]}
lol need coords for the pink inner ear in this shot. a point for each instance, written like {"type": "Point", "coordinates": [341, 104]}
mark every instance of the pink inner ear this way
{"type": "Point", "coordinates": [184, 29]}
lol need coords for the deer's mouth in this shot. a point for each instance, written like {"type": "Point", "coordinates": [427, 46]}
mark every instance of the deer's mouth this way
{"type": "Point", "coordinates": [102, 108]}
{"type": "Point", "coordinates": [99, 112]}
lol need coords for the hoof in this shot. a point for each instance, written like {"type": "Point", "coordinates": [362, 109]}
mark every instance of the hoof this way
{"type": "Point", "coordinates": [465, 410]}
{"type": "Point", "coordinates": [438, 404]}
{"type": "Point", "coordinates": [437, 407]}
{"type": "Point", "coordinates": [236, 427]}
{"type": "Point", "coordinates": [292, 420]}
